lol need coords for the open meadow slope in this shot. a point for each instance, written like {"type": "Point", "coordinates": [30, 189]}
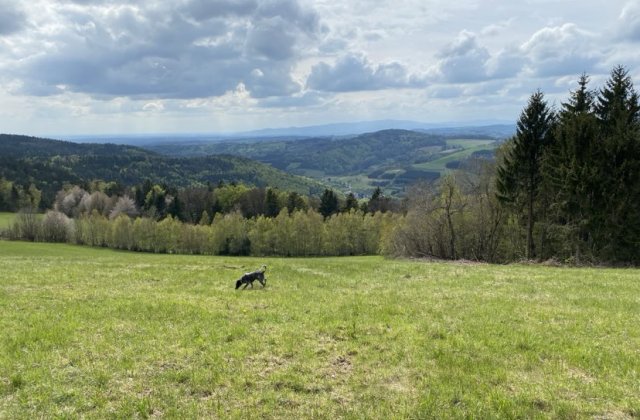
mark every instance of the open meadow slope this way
{"type": "Point", "coordinates": [98, 333]}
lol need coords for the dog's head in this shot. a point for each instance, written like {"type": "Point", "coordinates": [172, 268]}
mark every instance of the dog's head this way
{"type": "Point", "coordinates": [263, 268]}
{"type": "Point", "coordinates": [238, 283]}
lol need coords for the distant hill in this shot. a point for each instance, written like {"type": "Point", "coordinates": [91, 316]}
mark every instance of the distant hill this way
{"type": "Point", "coordinates": [492, 129]}
{"type": "Point", "coordinates": [489, 128]}
{"type": "Point", "coordinates": [392, 159]}
{"type": "Point", "coordinates": [49, 164]}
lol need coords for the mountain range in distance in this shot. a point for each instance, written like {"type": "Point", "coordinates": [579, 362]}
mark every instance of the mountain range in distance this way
{"type": "Point", "coordinates": [492, 129]}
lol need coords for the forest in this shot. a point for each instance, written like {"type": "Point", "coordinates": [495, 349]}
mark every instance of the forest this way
{"type": "Point", "coordinates": [52, 165]}
{"type": "Point", "coordinates": [565, 188]}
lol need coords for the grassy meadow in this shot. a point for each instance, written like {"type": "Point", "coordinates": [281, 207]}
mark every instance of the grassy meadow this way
{"type": "Point", "coordinates": [99, 333]}
{"type": "Point", "coordinates": [6, 219]}
{"type": "Point", "coordinates": [469, 146]}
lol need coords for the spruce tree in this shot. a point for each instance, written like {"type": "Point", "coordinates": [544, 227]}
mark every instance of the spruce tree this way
{"type": "Point", "coordinates": [519, 175]}
{"type": "Point", "coordinates": [328, 203]}
{"type": "Point", "coordinates": [272, 206]}
{"type": "Point", "coordinates": [350, 203]}
{"type": "Point", "coordinates": [295, 202]}
{"type": "Point", "coordinates": [617, 213]}
{"type": "Point", "coordinates": [568, 169]}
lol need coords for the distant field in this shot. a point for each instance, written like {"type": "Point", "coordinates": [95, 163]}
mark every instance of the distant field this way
{"type": "Point", "coordinates": [466, 143]}
{"type": "Point", "coordinates": [440, 163]}
{"type": "Point", "coordinates": [6, 219]}
{"type": "Point", "coordinates": [104, 334]}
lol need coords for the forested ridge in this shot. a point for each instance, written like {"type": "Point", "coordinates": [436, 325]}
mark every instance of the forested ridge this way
{"type": "Point", "coordinates": [50, 164]}
{"type": "Point", "coordinates": [392, 159]}
{"type": "Point", "coordinates": [332, 155]}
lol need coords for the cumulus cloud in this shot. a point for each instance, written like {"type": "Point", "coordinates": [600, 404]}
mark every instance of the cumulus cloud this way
{"type": "Point", "coordinates": [463, 60]}
{"type": "Point", "coordinates": [552, 51]}
{"type": "Point", "coordinates": [629, 21]}
{"type": "Point", "coordinates": [354, 72]}
{"type": "Point", "coordinates": [561, 50]}
{"type": "Point", "coordinates": [190, 49]}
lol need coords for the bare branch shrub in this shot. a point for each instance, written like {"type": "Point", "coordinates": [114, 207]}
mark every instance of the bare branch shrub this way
{"type": "Point", "coordinates": [56, 227]}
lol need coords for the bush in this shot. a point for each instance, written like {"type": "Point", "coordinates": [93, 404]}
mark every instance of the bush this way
{"type": "Point", "coordinates": [25, 226]}
{"type": "Point", "coordinates": [56, 227]}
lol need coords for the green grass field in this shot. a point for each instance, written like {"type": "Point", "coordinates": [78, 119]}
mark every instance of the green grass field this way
{"type": "Point", "coordinates": [97, 333]}
{"type": "Point", "coordinates": [6, 219]}
{"type": "Point", "coordinates": [439, 164]}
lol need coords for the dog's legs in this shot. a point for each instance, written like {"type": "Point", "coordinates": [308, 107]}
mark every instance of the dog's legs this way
{"type": "Point", "coordinates": [245, 286]}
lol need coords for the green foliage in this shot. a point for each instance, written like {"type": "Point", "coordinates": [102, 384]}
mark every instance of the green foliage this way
{"type": "Point", "coordinates": [328, 203]}
{"type": "Point", "coordinates": [295, 202]}
{"type": "Point", "coordinates": [121, 233]}
{"type": "Point", "coordinates": [337, 161]}
{"type": "Point", "coordinates": [50, 164]}
{"type": "Point", "coordinates": [301, 233]}
{"type": "Point", "coordinates": [14, 197]}
{"type": "Point", "coordinates": [92, 333]}
{"type": "Point", "coordinates": [350, 203]}
{"type": "Point", "coordinates": [584, 187]}
{"type": "Point", "coordinates": [271, 204]}
{"type": "Point", "coordinates": [519, 174]}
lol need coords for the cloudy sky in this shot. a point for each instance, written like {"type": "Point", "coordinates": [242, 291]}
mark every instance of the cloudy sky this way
{"type": "Point", "coordinates": [166, 66]}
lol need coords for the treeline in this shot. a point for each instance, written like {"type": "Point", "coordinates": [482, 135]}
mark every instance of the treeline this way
{"type": "Point", "coordinates": [14, 196]}
{"type": "Point", "coordinates": [195, 204]}
{"type": "Point", "coordinates": [300, 233]}
{"type": "Point", "coordinates": [571, 177]}
{"type": "Point", "coordinates": [228, 219]}
{"type": "Point", "coordinates": [565, 187]}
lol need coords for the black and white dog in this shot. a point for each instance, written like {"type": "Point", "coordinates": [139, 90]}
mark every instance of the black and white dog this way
{"type": "Point", "coordinates": [248, 278]}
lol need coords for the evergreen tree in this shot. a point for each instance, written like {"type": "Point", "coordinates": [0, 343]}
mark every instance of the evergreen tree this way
{"type": "Point", "coordinates": [328, 203]}
{"type": "Point", "coordinates": [295, 202]}
{"type": "Point", "coordinates": [174, 207]}
{"type": "Point", "coordinates": [569, 169]}
{"type": "Point", "coordinates": [519, 175]}
{"type": "Point", "coordinates": [617, 105]}
{"type": "Point", "coordinates": [616, 220]}
{"type": "Point", "coordinates": [272, 206]}
{"type": "Point", "coordinates": [350, 203]}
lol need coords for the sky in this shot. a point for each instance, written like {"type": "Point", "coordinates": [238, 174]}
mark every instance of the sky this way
{"type": "Point", "coordinates": [210, 66]}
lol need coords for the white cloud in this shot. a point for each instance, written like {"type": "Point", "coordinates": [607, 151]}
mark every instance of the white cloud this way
{"type": "Point", "coordinates": [629, 22]}
{"type": "Point", "coordinates": [463, 60]}
{"type": "Point", "coordinates": [562, 50]}
{"type": "Point", "coordinates": [190, 49]}
{"type": "Point", "coordinates": [102, 65]}
{"type": "Point", "coordinates": [356, 73]}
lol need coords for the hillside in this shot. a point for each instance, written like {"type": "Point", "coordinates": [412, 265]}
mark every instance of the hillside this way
{"type": "Point", "coordinates": [49, 164]}
{"type": "Point", "coordinates": [96, 333]}
{"type": "Point", "coordinates": [392, 159]}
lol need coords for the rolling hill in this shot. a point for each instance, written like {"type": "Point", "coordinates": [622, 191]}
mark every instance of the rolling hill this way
{"type": "Point", "coordinates": [49, 164]}
{"type": "Point", "coordinates": [391, 159]}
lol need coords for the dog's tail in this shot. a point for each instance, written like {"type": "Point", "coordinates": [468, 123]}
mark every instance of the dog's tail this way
{"type": "Point", "coordinates": [238, 283]}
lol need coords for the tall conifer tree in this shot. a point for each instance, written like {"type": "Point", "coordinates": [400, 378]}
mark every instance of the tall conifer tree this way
{"type": "Point", "coordinates": [568, 168]}
{"type": "Point", "coordinates": [617, 215]}
{"type": "Point", "coordinates": [519, 175]}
